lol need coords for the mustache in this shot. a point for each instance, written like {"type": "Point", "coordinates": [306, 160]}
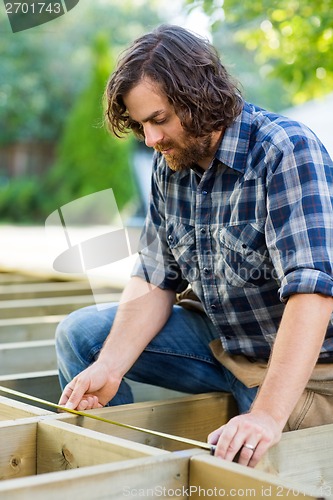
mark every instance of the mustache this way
{"type": "Point", "coordinates": [163, 147]}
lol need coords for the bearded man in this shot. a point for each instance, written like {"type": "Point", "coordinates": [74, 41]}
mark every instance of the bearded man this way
{"type": "Point", "coordinates": [241, 213]}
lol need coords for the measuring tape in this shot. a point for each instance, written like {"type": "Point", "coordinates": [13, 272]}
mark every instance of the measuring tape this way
{"type": "Point", "coordinates": [191, 442]}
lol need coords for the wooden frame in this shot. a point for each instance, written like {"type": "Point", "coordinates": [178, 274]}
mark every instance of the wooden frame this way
{"type": "Point", "coordinates": [39, 446]}
{"type": "Point", "coordinates": [48, 455]}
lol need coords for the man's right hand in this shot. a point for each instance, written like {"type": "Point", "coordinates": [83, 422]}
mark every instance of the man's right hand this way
{"type": "Point", "coordinates": [92, 388]}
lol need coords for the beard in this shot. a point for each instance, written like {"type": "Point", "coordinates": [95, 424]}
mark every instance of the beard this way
{"type": "Point", "coordinates": [186, 156]}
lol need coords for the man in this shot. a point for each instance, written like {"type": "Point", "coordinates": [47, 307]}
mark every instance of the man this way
{"type": "Point", "coordinates": [240, 209]}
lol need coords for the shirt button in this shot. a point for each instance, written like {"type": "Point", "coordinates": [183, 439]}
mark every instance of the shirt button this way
{"type": "Point", "coordinates": [213, 307]}
{"type": "Point", "coordinates": [206, 270]}
{"type": "Point", "coordinates": [203, 230]}
{"type": "Point", "coordinates": [204, 192]}
{"type": "Point", "coordinates": [170, 238]}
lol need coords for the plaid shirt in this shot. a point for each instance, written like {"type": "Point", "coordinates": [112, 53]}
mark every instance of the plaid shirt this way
{"type": "Point", "coordinates": [247, 233]}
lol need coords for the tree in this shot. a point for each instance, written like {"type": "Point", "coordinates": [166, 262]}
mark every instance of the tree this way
{"type": "Point", "coordinates": [291, 39]}
{"type": "Point", "coordinates": [89, 159]}
{"type": "Point", "coordinates": [43, 69]}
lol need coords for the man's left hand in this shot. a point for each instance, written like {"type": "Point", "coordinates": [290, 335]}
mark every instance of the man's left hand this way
{"type": "Point", "coordinates": [249, 435]}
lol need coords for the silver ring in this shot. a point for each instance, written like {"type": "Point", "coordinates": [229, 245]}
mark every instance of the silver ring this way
{"type": "Point", "coordinates": [249, 446]}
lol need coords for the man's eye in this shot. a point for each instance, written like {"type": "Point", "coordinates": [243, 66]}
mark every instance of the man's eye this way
{"type": "Point", "coordinates": [159, 122]}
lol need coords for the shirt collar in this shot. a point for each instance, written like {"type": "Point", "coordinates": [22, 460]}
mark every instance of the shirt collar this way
{"type": "Point", "coordinates": [234, 147]}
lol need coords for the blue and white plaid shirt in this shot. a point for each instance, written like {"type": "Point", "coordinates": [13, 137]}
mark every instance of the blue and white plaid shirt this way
{"type": "Point", "coordinates": [247, 233]}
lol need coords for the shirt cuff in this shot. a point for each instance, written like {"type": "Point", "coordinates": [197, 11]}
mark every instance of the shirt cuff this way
{"type": "Point", "coordinates": [156, 273]}
{"type": "Point", "coordinates": [306, 281]}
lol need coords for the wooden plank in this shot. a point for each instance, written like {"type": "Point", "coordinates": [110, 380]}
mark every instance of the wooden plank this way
{"type": "Point", "coordinates": [213, 477]}
{"type": "Point", "coordinates": [192, 416]}
{"type": "Point", "coordinates": [7, 277]}
{"type": "Point", "coordinates": [50, 306]}
{"type": "Point", "coordinates": [18, 449]}
{"type": "Point", "coordinates": [48, 289]}
{"type": "Point", "coordinates": [164, 476]}
{"type": "Point", "coordinates": [27, 329]}
{"type": "Point", "coordinates": [37, 355]}
{"type": "Point", "coordinates": [61, 446]}
{"type": "Point", "coordinates": [303, 457]}
{"type": "Point", "coordinates": [13, 410]}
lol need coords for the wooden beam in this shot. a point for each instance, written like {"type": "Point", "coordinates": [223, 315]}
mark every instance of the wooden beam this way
{"type": "Point", "coordinates": [50, 306]}
{"type": "Point", "coordinates": [48, 289]}
{"type": "Point", "coordinates": [192, 416]}
{"type": "Point", "coordinates": [147, 477]}
{"type": "Point", "coordinates": [18, 449]}
{"type": "Point", "coordinates": [37, 355]}
{"type": "Point", "coordinates": [61, 446]}
{"type": "Point", "coordinates": [303, 457]}
{"type": "Point", "coordinates": [213, 477]}
{"type": "Point", "coordinates": [27, 329]}
{"type": "Point", "coordinates": [7, 277]}
{"type": "Point", "coordinates": [13, 410]}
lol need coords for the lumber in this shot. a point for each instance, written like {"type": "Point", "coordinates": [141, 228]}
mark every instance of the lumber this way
{"type": "Point", "coordinates": [211, 476]}
{"type": "Point", "coordinates": [51, 305]}
{"type": "Point", "coordinates": [139, 477]}
{"type": "Point", "coordinates": [13, 410]}
{"type": "Point", "coordinates": [192, 417]}
{"type": "Point", "coordinates": [48, 289]}
{"type": "Point", "coordinates": [303, 457]}
{"type": "Point", "coordinates": [37, 355]}
{"type": "Point", "coordinates": [26, 329]}
{"type": "Point", "coordinates": [18, 449]}
{"type": "Point", "coordinates": [61, 446]}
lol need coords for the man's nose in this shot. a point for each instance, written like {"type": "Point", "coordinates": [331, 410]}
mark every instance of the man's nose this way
{"type": "Point", "coordinates": [153, 135]}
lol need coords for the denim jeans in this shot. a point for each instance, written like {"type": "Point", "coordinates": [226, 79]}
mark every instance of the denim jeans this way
{"type": "Point", "coordinates": [178, 358]}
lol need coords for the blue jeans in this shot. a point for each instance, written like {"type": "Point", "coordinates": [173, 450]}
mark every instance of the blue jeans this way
{"type": "Point", "coordinates": [178, 358]}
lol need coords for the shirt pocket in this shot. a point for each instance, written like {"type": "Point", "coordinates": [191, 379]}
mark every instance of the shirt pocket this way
{"type": "Point", "coordinates": [181, 242]}
{"type": "Point", "coordinates": [245, 260]}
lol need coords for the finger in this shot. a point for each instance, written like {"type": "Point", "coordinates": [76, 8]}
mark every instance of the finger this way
{"type": "Point", "coordinates": [78, 391]}
{"type": "Point", "coordinates": [259, 452]}
{"type": "Point", "coordinates": [247, 452]}
{"type": "Point", "coordinates": [83, 405]}
{"type": "Point", "coordinates": [67, 392]}
{"type": "Point", "coordinates": [92, 401]}
{"type": "Point", "coordinates": [213, 437]}
{"type": "Point", "coordinates": [226, 447]}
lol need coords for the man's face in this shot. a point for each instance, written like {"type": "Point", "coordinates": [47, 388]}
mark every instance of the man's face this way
{"type": "Point", "coordinates": [149, 106]}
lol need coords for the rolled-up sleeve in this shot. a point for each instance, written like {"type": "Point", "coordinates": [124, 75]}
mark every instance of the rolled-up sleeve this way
{"type": "Point", "coordinates": [299, 227]}
{"type": "Point", "coordinates": [155, 263]}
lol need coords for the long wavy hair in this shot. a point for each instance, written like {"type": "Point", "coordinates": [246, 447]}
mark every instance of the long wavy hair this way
{"type": "Point", "coordinates": [187, 69]}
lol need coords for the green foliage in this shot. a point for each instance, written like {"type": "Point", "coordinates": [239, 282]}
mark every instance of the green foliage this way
{"type": "Point", "coordinates": [89, 159]}
{"type": "Point", "coordinates": [21, 200]}
{"type": "Point", "coordinates": [291, 39]}
{"type": "Point", "coordinates": [51, 86]}
{"type": "Point", "coordinates": [43, 69]}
